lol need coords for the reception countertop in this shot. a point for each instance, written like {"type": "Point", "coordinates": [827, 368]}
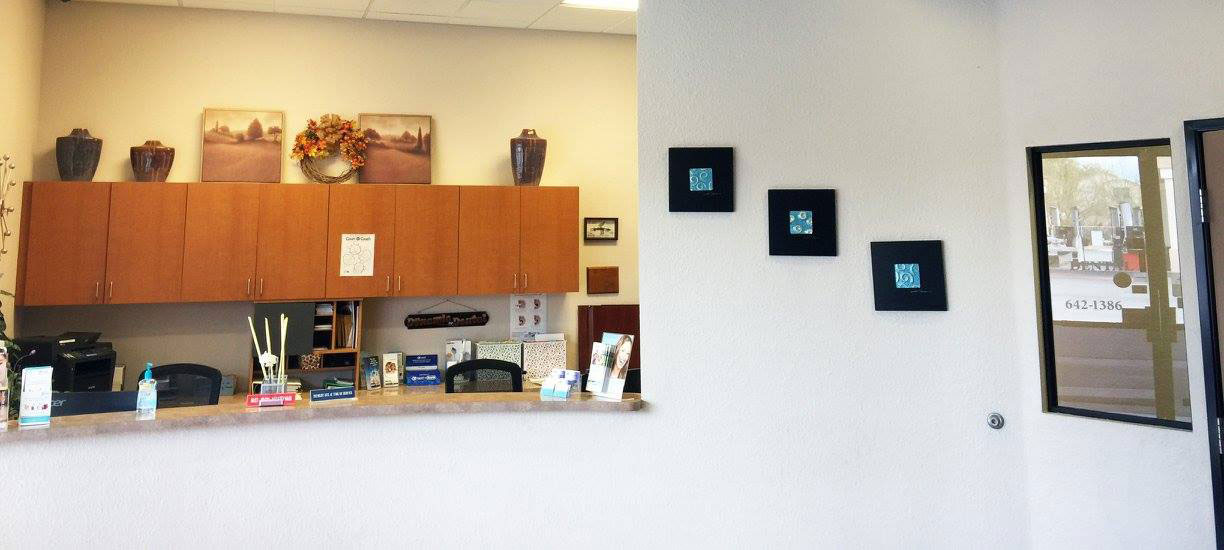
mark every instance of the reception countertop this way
{"type": "Point", "coordinates": [232, 411]}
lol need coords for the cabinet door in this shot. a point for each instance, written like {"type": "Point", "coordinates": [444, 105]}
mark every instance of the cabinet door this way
{"type": "Point", "coordinates": [144, 246]}
{"type": "Point", "coordinates": [426, 240]}
{"type": "Point", "coordinates": [549, 239]}
{"type": "Point", "coordinates": [359, 212]}
{"type": "Point", "coordinates": [292, 254]}
{"type": "Point", "coordinates": [488, 240]}
{"type": "Point", "coordinates": [65, 243]}
{"type": "Point", "coordinates": [220, 242]}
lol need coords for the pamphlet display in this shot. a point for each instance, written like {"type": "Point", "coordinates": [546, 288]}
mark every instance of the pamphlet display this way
{"type": "Point", "coordinates": [35, 397]}
{"type": "Point", "coordinates": [610, 365]}
{"type": "Point", "coordinates": [392, 364]}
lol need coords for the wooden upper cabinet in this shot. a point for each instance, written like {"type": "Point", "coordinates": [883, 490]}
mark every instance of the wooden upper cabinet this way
{"type": "Point", "coordinates": [426, 240]}
{"type": "Point", "coordinates": [221, 242]}
{"type": "Point", "coordinates": [64, 242]}
{"type": "Point", "coordinates": [488, 240]}
{"type": "Point", "coordinates": [144, 248]}
{"type": "Point", "coordinates": [292, 253]}
{"type": "Point", "coordinates": [549, 239]}
{"type": "Point", "coordinates": [359, 212]}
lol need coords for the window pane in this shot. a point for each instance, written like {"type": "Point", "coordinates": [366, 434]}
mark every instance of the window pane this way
{"type": "Point", "coordinates": [1114, 293]}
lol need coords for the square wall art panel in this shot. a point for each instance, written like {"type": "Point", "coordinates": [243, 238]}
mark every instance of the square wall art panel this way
{"type": "Point", "coordinates": [802, 222]}
{"type": "Point", "coordinates": [908, 276]}
{"type": "Point", "coordinates": [700, 179]}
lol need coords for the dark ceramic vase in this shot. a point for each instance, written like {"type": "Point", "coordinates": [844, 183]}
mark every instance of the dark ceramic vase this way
{"type": "Point", "coordinates": [152, 161]}
{"type": "Point", "coordinates": [527, 157]}
{"type": "Point", "coordinates": [77, 155]}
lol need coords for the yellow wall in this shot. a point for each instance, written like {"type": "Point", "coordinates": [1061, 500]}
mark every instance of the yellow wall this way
{"type": "Point", "coordinates": [21, 37]}
{"type": "Point", "coordinates": [132, 73]}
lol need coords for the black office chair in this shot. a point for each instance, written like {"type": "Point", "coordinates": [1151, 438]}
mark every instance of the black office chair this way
{"type": "Point", "coordinates": [186, 385]}
{"type": "Point", "coordinates": [484, 375]}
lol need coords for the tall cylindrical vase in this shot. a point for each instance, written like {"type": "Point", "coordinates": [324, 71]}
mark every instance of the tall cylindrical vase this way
{"type": "Point", "coordinates": [527, 157]}
{"type": "Point", "coordinates": [77, 155]}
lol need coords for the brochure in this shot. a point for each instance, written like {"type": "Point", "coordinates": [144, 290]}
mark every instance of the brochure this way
{"type": "Point", "coordinates": [392, 364]}
{"type": "Point", "coordinates": [35, 397]}
{"type": "Point", "coordinates": [619, 349]}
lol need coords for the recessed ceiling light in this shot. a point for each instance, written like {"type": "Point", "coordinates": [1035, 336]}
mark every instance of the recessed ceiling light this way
{"type": "Point", "coordinates": [618, 5]}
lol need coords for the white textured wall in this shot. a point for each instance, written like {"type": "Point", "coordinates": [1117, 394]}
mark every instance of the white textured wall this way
{"type": "Point", "coordinates": [1076, 72]}
{"type": "Point", "coordinates": [834, 425]}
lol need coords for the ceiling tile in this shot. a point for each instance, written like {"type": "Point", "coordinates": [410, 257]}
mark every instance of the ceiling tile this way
{"type": "Point", "coordinates": [524, 11]}
{"type": "Point", "coordinates": [244, 5]}
{"type": "Point", "coordinates": [488, 22]}
{"type": "Point", "coordinates": [302, 10]}
{"type": "Point", "coordinates": [417, 7]}
{"type": "Point", "coordinates": [407, 17]}
{"type": "Point", "coordinates": [628, 26]}
{"type": "Point", "coordinates": [327, 5]}
{"type": "Point", "coordinates": [565, 18]}
{"type": "Point", "coordinates": [145, 2]}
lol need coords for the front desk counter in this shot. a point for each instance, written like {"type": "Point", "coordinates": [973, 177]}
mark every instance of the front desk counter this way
{"type": "Point", "coordinates": [403, 400]}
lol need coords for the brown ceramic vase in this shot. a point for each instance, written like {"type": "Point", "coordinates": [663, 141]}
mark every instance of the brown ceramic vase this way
{"type": "Point", "coordinates": [152, 161]}
{"type": "Point", "coordinates": [527, 157]}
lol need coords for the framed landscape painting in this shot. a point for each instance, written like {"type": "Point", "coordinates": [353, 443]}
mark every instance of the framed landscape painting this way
{"type": "Point", "coordinates": [241, 145]}
{"type": "Point", "coordinates": [400, 148]}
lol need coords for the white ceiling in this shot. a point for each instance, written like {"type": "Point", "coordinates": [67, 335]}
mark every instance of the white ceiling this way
{"type": "Point", "coordinates": [517, 14]}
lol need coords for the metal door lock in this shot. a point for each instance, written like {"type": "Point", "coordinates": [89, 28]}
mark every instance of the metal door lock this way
{"type": "Point", "coordinates": [995, 420]}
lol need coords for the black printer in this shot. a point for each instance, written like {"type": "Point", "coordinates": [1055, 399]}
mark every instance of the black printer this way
{"type": "Point", "coordinates": [79, 361]}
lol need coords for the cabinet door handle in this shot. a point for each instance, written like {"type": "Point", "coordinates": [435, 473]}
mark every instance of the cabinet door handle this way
{"type": "Point", "coordinates": [97, 290]}
{"type": "Point", "coordinates": [516, 282]}
{"type": "Point", "coordinates": [399, 282]}
{"type": "Point", "coordinates": [110, 290]}
{"type": "Point", "coordinates": [261, 286]}
{"type": "Point", "coordinates": [248, 292]}
{"type": "Point", "coordinates": [388, 284]}
{"type": "Point", "coordinates": [524, 280]}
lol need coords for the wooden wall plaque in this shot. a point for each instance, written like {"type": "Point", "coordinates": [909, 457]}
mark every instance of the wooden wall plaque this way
{"type": "Point", "coordinates": [603, 280]}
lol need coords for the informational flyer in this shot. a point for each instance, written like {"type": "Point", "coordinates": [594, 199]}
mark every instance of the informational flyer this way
{"type": "Point", "coordinates": [357, 255]}
{"type": "Point", "coordinates": [35, 397]}
{"type": "Point", "coordinates": [528, 315]}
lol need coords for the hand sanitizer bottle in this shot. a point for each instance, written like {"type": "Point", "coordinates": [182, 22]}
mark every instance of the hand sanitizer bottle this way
{"type": "Point", "coordinates": [146, 397]}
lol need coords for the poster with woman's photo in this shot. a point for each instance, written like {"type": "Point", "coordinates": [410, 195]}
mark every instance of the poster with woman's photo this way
{"type": "Point", "coordinates": [610, 365]}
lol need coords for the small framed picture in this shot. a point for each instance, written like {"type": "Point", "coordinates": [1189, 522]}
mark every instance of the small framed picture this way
{"type": "Point", "coordinates": [700, 179]}
{"type": "Point", "coordinates": [802, 222]}
{"type": "Point", "coordinates": [909, 276]}
{"type": "Point", "coordinates": [600, 229]}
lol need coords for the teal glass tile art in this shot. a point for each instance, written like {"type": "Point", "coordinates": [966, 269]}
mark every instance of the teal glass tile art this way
{"type": "Point", "coordinates": [907, 276]}
{"type": "Point", "coordinates": [701, 179]}
{"type": "Point", "coordinates": [800, 222]}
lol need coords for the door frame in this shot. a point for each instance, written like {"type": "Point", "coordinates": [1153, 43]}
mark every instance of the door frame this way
{"type": "Point", "coordinates": [1204, 278]}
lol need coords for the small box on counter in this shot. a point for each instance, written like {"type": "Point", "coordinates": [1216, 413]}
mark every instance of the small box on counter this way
{"type": "Point", "coordinates": [421, 370]}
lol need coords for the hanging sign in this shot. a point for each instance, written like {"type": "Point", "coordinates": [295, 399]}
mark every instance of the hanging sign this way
{"type": "Point", "coordinates": [446, 320]}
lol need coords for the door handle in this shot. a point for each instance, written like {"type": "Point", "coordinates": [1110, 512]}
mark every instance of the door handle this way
{"type": "Point", "coordinates": [516, 282]}
{"type": "Point", "coordinates": [261, 286]}
{"type": "Point", "coordinates": [524, 281]}
{"type": "Point", "coordinates": [399, 282]}
{"type": "Point", "coordinates": [388, 284]}
{"type": "Point", "coordinates": [248, 287]}
{"type": "Point", "coordinates": [97, 290]}
{"type": "Point", "coordinates": [110, 290]}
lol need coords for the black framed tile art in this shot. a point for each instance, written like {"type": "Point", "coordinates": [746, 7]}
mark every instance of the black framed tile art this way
{"type": "Point", "coordinates": [700, 179]}
{"type": "Point", "coordinates": [908, 276]}
{"type": "Point", "coordinates": [802, 222]}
